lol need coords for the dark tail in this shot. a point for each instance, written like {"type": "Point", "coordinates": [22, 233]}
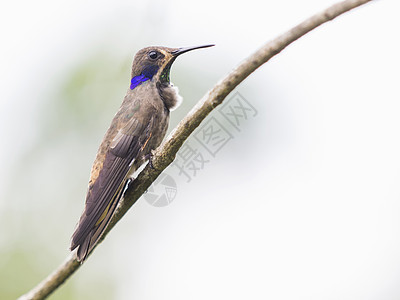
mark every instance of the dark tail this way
{"type": "Point", "coordinates": [89, 241]}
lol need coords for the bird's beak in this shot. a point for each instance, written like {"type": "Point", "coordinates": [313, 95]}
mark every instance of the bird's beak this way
{"type": "Point", "coordinates": [180, 51]}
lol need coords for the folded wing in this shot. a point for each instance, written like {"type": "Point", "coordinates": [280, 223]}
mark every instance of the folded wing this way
{"type": "Point", "coordinates": [106, 191]}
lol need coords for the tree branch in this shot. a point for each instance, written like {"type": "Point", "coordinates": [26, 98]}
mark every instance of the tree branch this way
{"type": "Point", "coordinates": [165, 154]}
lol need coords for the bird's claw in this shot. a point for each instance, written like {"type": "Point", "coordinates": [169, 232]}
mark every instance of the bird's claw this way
{"type": "Point", "coordinates": [149, 157]}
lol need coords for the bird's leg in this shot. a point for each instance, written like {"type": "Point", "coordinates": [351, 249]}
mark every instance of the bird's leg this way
{"type": "Point", "coordinates": [149, 156]}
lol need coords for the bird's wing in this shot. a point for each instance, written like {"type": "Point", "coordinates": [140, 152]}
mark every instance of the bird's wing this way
{"type": "Point", "coordinates": [105, 192]}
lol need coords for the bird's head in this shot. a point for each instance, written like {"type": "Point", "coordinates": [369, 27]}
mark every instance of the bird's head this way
{"type": "Point", "coordinates": [154, 63]}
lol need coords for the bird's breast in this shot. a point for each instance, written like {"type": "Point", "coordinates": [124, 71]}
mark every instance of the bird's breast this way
{"type": "Point", "coordinates": [143, 107]}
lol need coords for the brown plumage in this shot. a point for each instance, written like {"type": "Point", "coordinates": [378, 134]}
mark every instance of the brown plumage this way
{"type": "Point", "coordinates": [138, 127]}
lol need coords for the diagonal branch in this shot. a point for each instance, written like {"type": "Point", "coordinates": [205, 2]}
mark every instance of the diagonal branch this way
{"type": "Point", "coordinates": [165, 154]}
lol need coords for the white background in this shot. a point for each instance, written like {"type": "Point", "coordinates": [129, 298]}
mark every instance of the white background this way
{"type": "Point", "coordinates": [302, 204]}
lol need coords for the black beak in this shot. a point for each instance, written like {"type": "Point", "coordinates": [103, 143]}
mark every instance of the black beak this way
{"type": "Point", "coordinates": [180, 51]}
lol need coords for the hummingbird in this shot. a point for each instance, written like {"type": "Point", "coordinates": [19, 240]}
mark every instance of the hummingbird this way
{"type": "Point", "coordinates": [137, 129]}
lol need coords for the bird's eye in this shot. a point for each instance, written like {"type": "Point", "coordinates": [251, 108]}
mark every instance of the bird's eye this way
{"type": "Point", "coordinates": [153, 54]}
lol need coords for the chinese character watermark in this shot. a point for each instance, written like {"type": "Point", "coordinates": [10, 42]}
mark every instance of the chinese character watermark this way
{"type": "Point", "coordinates": [197, 152]}
{"type": "Point", "coordinates": [237, 110]}
{"type": "Point", "coordinates": [212, 136]}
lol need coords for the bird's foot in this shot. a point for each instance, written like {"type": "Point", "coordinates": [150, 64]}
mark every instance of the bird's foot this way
{"type": "Point", "coordinates": [149, 157]}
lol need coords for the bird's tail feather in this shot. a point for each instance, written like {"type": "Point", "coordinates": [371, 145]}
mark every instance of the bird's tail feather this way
{"type": "Point", "coordinates": [90, 241]}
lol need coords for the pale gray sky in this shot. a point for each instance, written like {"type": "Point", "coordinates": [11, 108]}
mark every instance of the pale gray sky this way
{"type": "Point", "coordinates": [303, 203]}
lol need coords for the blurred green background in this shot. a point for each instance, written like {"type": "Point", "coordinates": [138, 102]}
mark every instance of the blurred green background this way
{"type": "Point", "coordinates": [302, 203]}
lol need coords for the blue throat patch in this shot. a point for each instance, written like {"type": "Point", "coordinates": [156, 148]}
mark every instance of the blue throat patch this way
{"type": "Point", "coordinates": [147, 74]}
{"type": "Point", "coordinates": [137, 80]}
